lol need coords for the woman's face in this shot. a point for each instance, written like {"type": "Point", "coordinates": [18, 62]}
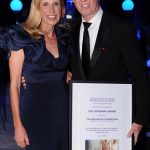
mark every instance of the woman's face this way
{"type": "Point", "coordinates": [51, 11]}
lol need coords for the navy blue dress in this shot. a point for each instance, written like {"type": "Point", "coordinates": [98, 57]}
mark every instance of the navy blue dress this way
{"type": "Point", "coordinates": [44, 108]}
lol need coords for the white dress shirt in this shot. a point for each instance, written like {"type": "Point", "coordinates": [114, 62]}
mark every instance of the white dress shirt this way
{"type": "Point", "coordinates": [93, 31]}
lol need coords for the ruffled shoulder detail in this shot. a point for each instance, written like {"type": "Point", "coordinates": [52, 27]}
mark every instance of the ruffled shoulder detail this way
{"type": "Point", "coordinates": [63, 35]}
{"type": "Point", "coordinates": [15, 38]}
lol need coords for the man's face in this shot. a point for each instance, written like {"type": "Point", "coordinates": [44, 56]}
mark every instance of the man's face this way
{"type": "Point", "coordinates": [87, 8]}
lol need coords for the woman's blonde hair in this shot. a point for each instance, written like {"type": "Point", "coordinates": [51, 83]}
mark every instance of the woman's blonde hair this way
{"type": "Point", "coordinates": [32, 23]}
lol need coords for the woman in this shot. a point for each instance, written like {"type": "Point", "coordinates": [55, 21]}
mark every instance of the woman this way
{"type": "Point", "coordinates": [39, 53]}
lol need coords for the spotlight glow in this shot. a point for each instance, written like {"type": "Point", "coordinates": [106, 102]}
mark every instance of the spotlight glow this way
{"type": "Point", "coordinates": [138, 34]}
{"type": "Point", "coordinates": [127, 5]}
{"type": "Point", "coordinates": [68, 16]}
{"type": "Point", "coordinates": [16, 5]}
{"type": "Point", "coordinates": [148, 63]}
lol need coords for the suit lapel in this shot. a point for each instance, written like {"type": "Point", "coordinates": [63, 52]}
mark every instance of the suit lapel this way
{"type": "Point", "coordinates": [77, 47]}
{"type": "Point", "coordinates": [102, 37]}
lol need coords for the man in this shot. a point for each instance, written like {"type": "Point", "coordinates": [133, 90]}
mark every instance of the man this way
{"type": "Point", "coordinates": [113, 53]}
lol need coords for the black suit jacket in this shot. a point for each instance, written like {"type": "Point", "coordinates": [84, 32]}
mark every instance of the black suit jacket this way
{"type": "Point", "coordinates": [115, 56]}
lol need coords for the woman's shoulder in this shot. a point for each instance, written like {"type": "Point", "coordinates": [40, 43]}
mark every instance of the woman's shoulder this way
{"type": "Point", "coordinates": [14, 37]}
{"type": "Point", "coordinates": [18, 31]}
{"type": "Point", "coordinates": [63, 35]}
{"type": "Point", "coordinates": [63, 30]}
{"type": "Point", "coordinates": [15, 31]}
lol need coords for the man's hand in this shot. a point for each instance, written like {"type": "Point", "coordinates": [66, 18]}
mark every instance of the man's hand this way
{"type": "Point", "coordinates": [135, 130]}
{"type": "Point", "coordinates": [69, 76]}
{"type": "Point", "coordinates": [23, 82]}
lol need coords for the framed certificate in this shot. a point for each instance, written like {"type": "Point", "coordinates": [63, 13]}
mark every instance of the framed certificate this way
{"type": "Point", "coordinates": [100, 116]}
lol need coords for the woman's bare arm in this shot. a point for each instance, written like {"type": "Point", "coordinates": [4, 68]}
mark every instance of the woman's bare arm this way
{"type": "Point", "coordinates": [15, 64]}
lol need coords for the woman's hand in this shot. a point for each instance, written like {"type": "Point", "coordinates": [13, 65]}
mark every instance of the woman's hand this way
{"type": "Point", "coordinates": [21, 137]}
